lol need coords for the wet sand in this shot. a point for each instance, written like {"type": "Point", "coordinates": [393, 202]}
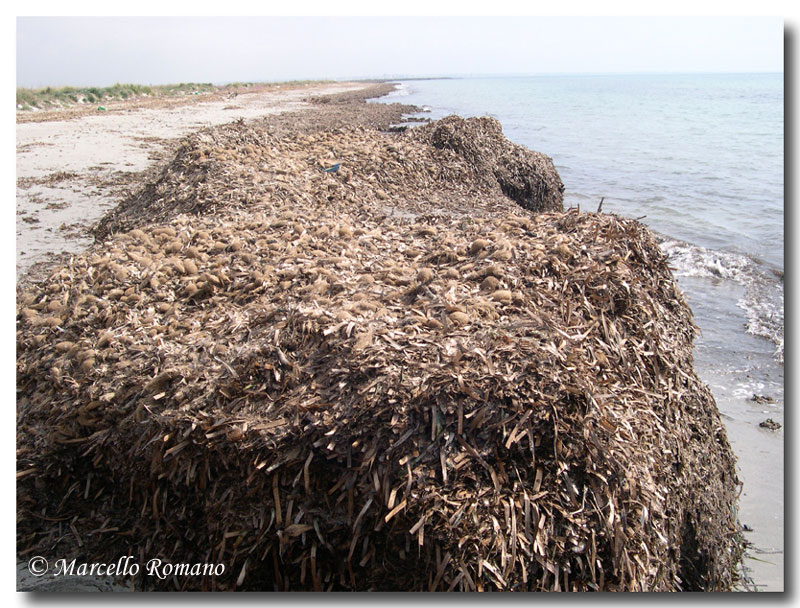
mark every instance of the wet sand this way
{"type": "Point", "coordinates": [723, 363]}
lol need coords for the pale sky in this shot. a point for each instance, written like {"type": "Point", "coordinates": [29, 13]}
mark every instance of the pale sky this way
{"type": "Point", "coordinates": [100, 51]}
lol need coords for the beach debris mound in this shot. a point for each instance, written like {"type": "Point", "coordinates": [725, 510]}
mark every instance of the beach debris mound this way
{"type": "Point", "coordinates": [529, 178]}
{"type": "Point", "coordinates": [391, 377]}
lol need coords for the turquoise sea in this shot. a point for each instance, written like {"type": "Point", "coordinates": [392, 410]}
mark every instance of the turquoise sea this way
{"type": "Point", "coordinates": [700, 159]}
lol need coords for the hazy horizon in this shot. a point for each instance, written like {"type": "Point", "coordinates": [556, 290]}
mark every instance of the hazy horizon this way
{"type": "Point", "coordinates": [405, 78]}
{"type": "Point", "coordinates": [102, 51]}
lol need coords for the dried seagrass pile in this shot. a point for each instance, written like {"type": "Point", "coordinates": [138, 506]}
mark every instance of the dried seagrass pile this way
{"type": "Point", "coordinates": [390, 377]}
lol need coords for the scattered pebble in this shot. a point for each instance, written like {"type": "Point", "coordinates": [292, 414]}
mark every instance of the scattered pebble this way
{"type": "Point", "coordinates": [770, 424]}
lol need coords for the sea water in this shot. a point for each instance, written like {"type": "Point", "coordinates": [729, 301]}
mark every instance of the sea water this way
{"type": "Point", "coordinates": [698, 158]}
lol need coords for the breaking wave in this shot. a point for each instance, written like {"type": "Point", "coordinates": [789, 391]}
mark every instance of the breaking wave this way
{"type": "Point", "coordinates": [763, 301]}
{"type": "Point", "coordinates": [401, 90]}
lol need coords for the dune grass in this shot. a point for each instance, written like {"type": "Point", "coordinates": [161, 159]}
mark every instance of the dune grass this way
{"type": "Point", "coordinates": [50, 97]}
{"type": "Point", "coordinates": [53, 97]}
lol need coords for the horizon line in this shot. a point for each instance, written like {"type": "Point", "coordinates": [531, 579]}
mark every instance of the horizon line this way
{"type": "Point", "coordinates": [405, 77]}
{"type": "Point", "coordinates": [532, 74]}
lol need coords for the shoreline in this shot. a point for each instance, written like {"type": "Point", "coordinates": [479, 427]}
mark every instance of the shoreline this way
{"type": "Point", "coordinates": [332, 158]}
{"type": "Point", "coordinates": [75, 166]}
{"type": "Point", "coordinates": [759, 449]}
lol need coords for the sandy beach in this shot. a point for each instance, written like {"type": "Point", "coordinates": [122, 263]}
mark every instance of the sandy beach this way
{"type": "Point", "coordinates": [73, 165]}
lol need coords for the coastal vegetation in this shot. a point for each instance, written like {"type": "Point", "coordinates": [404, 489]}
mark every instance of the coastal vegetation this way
{"type": "Point", "coordinates": [51, 97]}
{"type": "Point", "coordinates": [48, 98]}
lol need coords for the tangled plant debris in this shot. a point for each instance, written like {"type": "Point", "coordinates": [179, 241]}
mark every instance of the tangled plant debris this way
{"type": "Point", "coordinates": [526, 177]}
{"type": "Point", "coordinates": [390, 377]}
